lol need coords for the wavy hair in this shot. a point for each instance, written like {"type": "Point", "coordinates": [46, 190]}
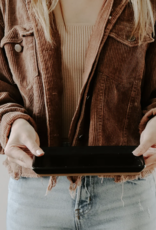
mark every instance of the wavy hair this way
{"type": "Point", "coordinates": [143, 16]}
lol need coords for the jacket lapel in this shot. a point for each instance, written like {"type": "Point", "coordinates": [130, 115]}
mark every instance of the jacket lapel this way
{"type": "Point", "coordinates": [96, 37]}
{"type": "Point", "coordinates": [101, 31]}
{"type": "Point", "coordinates": [94, 50]}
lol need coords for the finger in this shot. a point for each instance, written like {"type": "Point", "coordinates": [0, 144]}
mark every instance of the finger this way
{"type": "Point", "coordinates": [150, 152]}
{"type": "Point", "coordinates": [37, 139]}
{"type": "Point", "coordinates": [21, 163]}
{"type": "Point", "coordinates": [142, 136]}
{"type": "Point", "coordinates": [147, 154]}
{"type": "Point", "coordinates": [142, 148]}
{"type": "Point", "coordinates": [151, 160]}
{"type": "Point", "coordinates": [34, 147]}
{"type": "Point", "coordinates": [18, 154]}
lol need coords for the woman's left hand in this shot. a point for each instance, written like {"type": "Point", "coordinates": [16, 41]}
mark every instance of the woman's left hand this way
{"type": "Point", "coordinates": [147, 146]}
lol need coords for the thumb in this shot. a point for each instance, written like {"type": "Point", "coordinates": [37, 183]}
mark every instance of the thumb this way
{"type": "Point", "coordinates": [34, 148]}
{"type": "Point", "coordinates": [142, 148]}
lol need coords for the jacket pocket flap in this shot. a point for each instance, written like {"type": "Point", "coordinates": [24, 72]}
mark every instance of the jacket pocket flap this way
{"type": "Point", "coordinates": [15, 35]}
{"type": "Point", "coordinates": [122, 33]}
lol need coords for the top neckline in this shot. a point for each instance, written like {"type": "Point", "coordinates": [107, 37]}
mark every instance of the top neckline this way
{"type": "Point", "coordinates": [59, 18]}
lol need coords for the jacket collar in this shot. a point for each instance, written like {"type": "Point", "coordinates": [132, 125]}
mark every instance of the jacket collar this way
{"type": "Point", "coordinates": [99, 35]}
{"type": "Point", "coordinates": [98, 32]}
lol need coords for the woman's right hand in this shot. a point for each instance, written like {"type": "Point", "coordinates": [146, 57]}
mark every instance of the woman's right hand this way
{"type": "Point", "coordinates": [22, 144]}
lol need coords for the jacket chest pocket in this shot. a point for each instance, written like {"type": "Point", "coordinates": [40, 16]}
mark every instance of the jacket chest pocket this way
{"type": "Point", "coordinates": [123, 57]}
{"type": "Point", "coordinates": [20, 49]}
{"type": "Point", "coordinates": [122, 32]}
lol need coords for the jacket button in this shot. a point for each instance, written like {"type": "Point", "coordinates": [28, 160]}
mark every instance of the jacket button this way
{"type": "Point", "coordinates": [18, 48]}
{"type": "Point", "coordinates": [81, 136]}
{"type": "Point", "coordinates": [87, 97]}
{"type": "Point", "coordinates": [131, 39]}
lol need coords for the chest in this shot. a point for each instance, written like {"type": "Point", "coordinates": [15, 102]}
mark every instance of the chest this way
{"type": "Point", "coordinates": [82, 11]}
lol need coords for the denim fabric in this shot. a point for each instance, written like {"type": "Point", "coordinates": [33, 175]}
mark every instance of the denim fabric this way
{"type": "Point", "coordinates": [99, 204]}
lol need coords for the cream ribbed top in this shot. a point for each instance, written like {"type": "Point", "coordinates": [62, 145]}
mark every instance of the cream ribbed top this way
{"type": "Point", "coordinates": [74, 43]}
{"type": "Point", "coordinates": [80, 18]}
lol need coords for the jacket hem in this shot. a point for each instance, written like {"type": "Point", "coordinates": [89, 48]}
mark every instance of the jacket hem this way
{"type": "Point", "coordinates": [18, 171]}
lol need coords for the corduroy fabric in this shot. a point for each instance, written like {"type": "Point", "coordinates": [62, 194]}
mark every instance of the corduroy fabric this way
{"type": "Point", "coordinates": [117, 97]}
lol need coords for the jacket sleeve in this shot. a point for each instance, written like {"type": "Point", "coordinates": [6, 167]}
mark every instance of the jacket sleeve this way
{"type": "Point", "coordinates": [148, 95]}
{"type": "Point", "coordinates": [10, 98]}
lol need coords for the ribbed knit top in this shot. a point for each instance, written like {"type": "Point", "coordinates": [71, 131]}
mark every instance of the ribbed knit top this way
{"type": "Point", "coordinates": [74, 43]}
{"type": "Point", "coordinates": [75, 22]}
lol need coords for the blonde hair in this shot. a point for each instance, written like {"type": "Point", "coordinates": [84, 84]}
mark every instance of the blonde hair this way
{"type": "Point", "coordinates": [143, 16]}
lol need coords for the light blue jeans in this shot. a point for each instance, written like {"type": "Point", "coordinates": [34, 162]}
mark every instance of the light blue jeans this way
{"type": "Point", "coordinates": [99, 204]}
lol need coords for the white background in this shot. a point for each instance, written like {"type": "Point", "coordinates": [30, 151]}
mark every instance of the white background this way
{"type": "Point", "coordinates": [4, 179]}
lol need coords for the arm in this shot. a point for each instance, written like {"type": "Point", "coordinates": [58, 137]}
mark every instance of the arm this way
{"type": "Point", "coordinates": [11, 101]}
{"type": "Point", "coordinates": [148, 98]}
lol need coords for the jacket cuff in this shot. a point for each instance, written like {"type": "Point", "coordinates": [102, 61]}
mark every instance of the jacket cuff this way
{"type": "Point", "coordinates": [6, 124]}
{"type": "Point", "coordinates": [148, 115]}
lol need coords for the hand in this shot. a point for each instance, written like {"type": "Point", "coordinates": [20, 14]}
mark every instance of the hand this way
{"type": "Point", "coordinates": [22, 144]}
{"type": "Point", "coordinates": [147, 146]}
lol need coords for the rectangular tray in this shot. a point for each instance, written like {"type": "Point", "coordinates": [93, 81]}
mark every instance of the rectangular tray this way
{"type": "Point", "coordinates": [88, 160]}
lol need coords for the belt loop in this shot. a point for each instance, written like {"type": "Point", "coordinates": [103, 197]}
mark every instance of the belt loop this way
{"type": "Point", "coordinates": [87, 189]}
{"type": "Point", "coordinates": [77, 214]}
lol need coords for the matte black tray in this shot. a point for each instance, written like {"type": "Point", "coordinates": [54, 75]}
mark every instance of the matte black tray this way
{"type": "Point", "coordinates": [88, 160]}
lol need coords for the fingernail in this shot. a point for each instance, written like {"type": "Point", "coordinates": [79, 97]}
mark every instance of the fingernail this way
{"type": "Point", "coordinates": [135, 153]}
{"type": "Point", "coordinates": [39, 152]}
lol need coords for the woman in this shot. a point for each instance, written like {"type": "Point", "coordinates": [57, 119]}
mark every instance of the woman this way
{"type": "Point", "coordinates": [78, 73]}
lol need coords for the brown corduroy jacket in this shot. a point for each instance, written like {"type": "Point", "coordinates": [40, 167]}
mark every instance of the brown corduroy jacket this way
{"type": "Point", "coordinates": [118, 96]}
